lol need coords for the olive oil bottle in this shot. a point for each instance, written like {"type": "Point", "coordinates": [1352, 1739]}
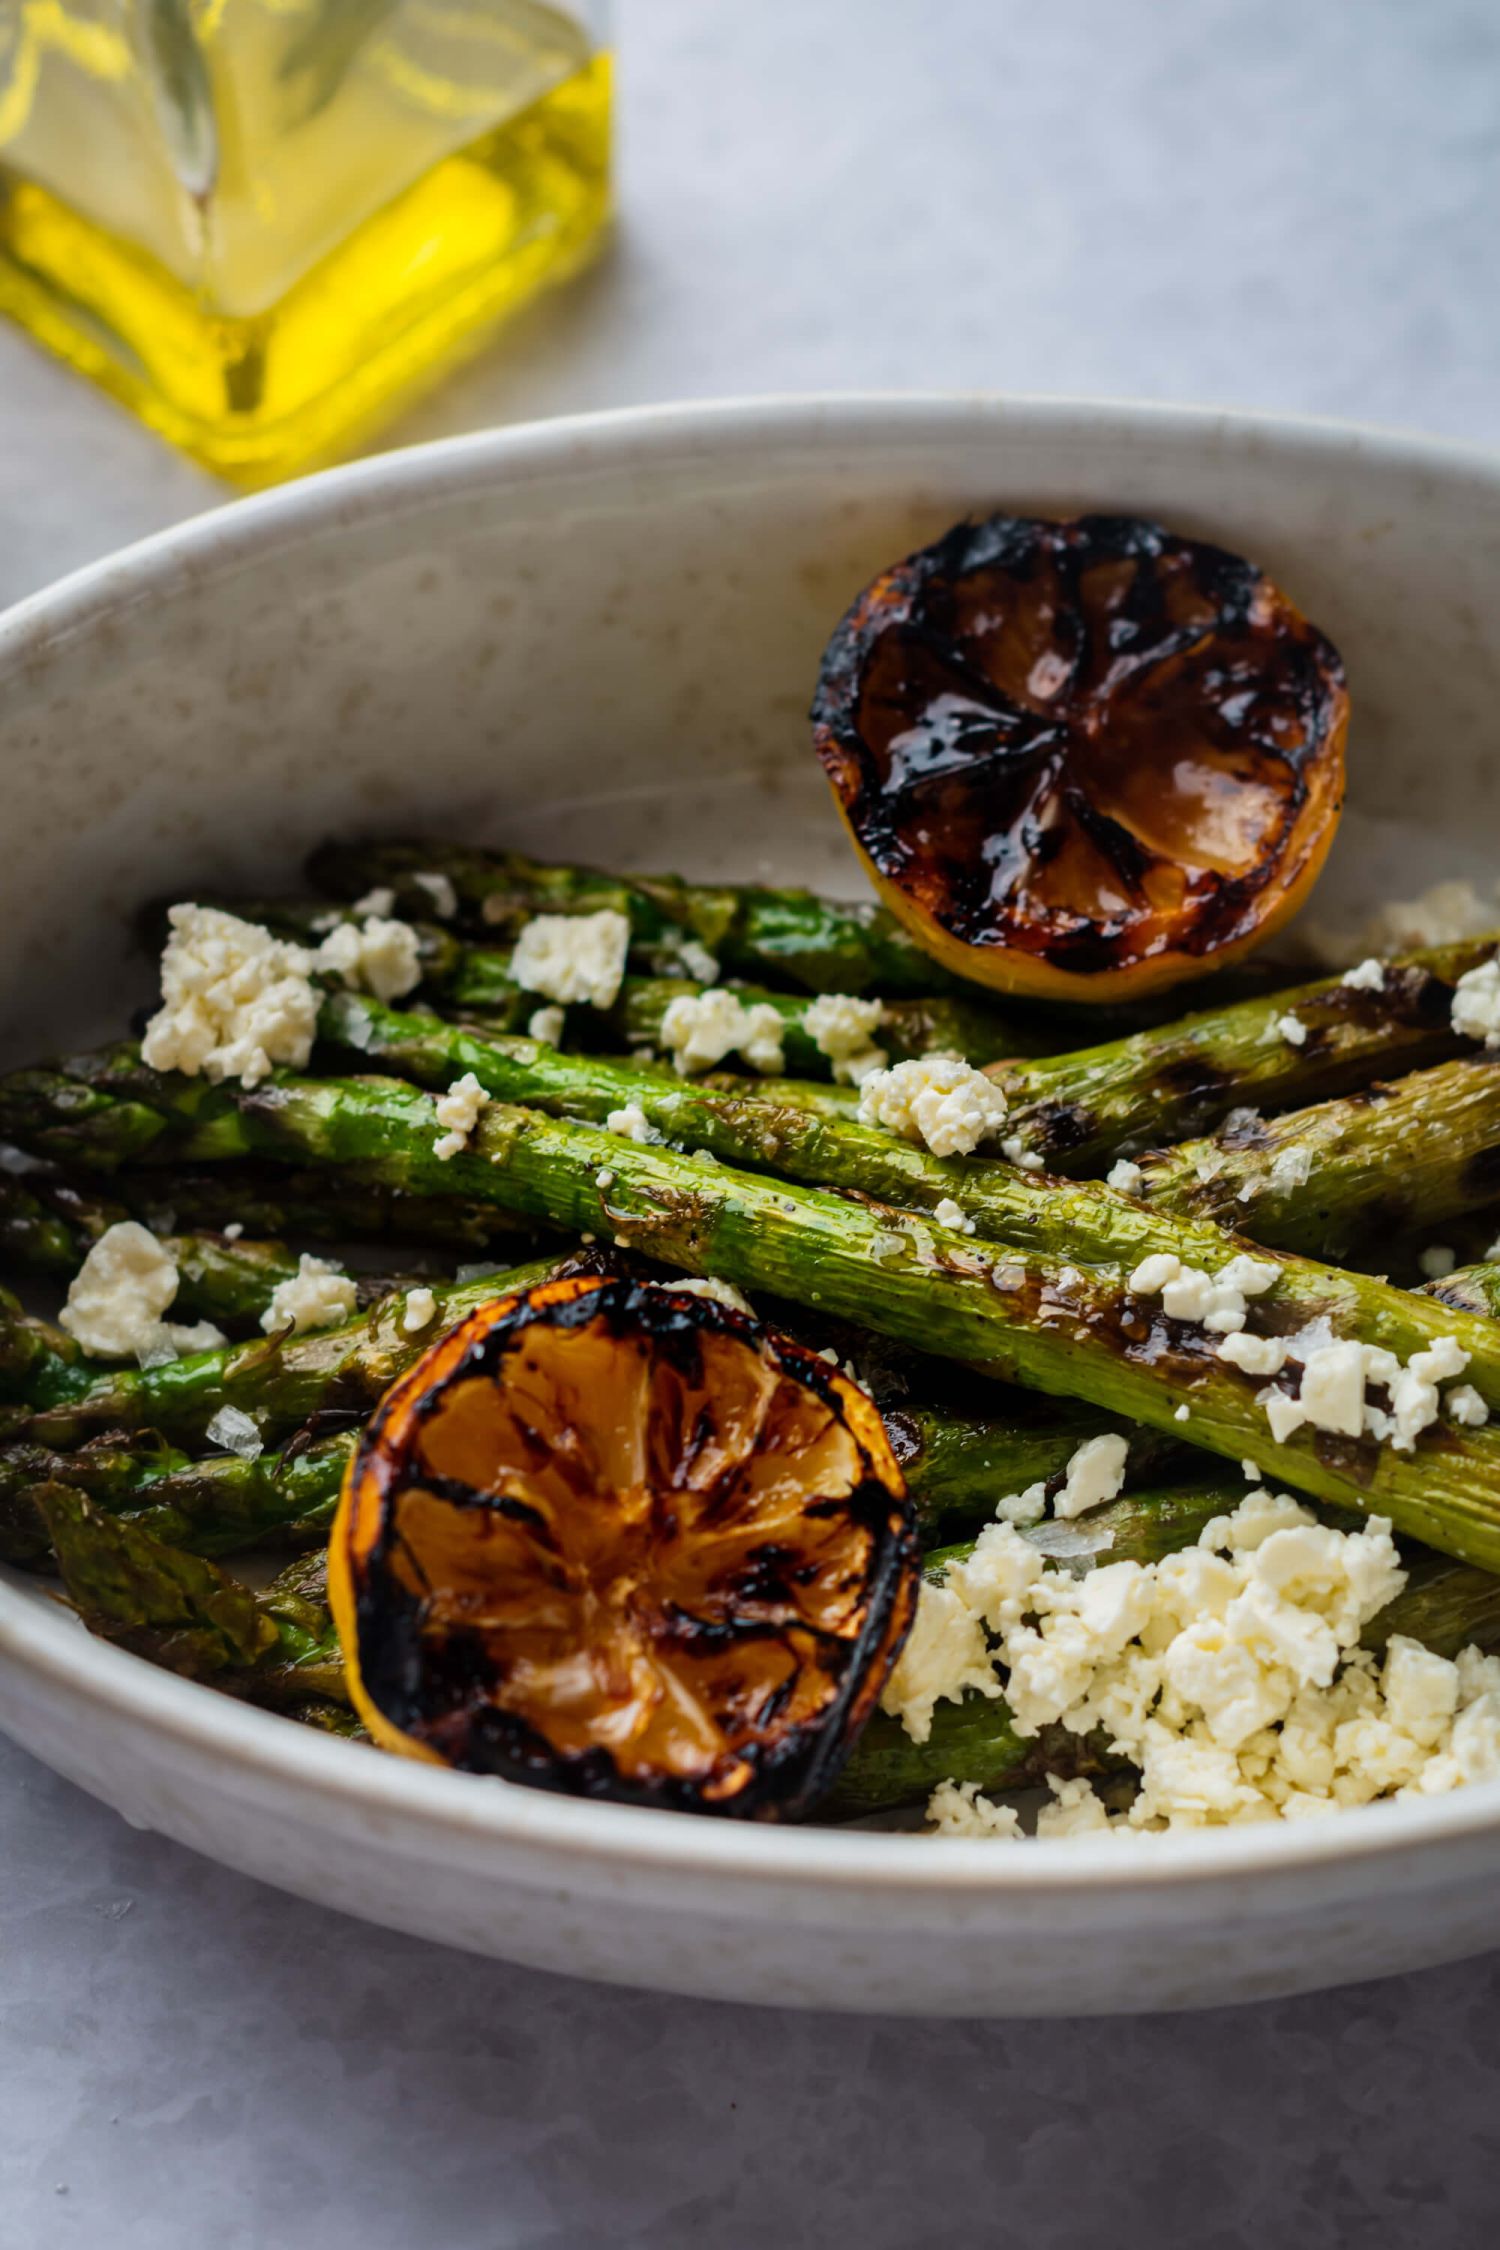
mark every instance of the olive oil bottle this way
{"type": "Point", "coordinates": [258, 222]}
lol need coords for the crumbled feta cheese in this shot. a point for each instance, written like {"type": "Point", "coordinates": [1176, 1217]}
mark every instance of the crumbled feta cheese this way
{"type": "Point", "coordinates": [1125, 1176]}
{"type": "Point", "coordinates": [700, 1029]}
{"type": "Point", "coordinates": [1466, 1407]}
{"type": "Point", "coordinates": [573, 957]}
{"type": "Point", "coordinates": [458, 1112]}
{"type": "Point", "coordinates": [233, 1232]}
{"type": "Point", "coordinates": [235, 1000]}
{"type": "Point", "coordinates": [439, 889]}
{"type": "Point", "coordinates": [1229, 1674]}
{"type": "Point", "coordinates": [1015, 1151]}
{"type": "Point", "coordinates": [1438, 1261]}
{"type": "Point", "coordinates": [946, 1653]}
{"type": "Point", "coordinates": [119, 1294]}
{"type": "Point", "coordinates": [950, 1214]}
{"type": "Point", "coordinates": [842, 1028]}
{"type": "Point", "coordinates": [956, 1808]}
{"type": "Point", "coordinates": [722, 1293]}
{"type": "Point", "coordinates": [1216, 1302]}
{"type": "Point", "coordinates": [232, 1428]}
{"type": "Point", "coordinates": [546, 1024]}
{"type": "Point", "coordinates": [380, 902]}
{"type": "Point", "coordinates": [1250, 1471]}
{"type": "Point", "coordinates": [319, 1295]}
{"type": "Point", "coordinates": [420, 1312]}
{"type": "Point", "coordinates": [1182, 1413]}
{"type": "Point", "coordinates": [1292, 1029]}
{"type": "Point", "coordinates": [604, 1178]}
{"type": "Point", "coordinates": [698, 962]}
{"type": "Point", "coordinates": [1367, 976]}
{"type": "Point", "coordinates": [1336, 1377]}
{"type": "Point", "coordinates": [934, 1099]}
{"type": "Point", "coordinates": [1291, 1168]}
{"type": "Point", "coordinates": [1094, 1474]}
{"type": "Point", "coordinates": [633, 1123]}
{"type": "Point", "coordinates": [378, 957]}
{"type": "Point", "coordinates": [1253, 1355]}
{"type": "Point", "coordinates": [1476, 1004]}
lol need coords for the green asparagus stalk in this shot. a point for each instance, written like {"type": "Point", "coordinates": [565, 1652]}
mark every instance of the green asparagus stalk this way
{"type": "Point", "coordinates": [1474, 1289]}
{"type": "Point", "coordinates": [279, 1382]}
{"type": "Point", "coordinates": [110, 1105]}
{"type": "Point", "coordinates": [316, 1206]}
{"type": "Point", "coordinates": [1056, 1323]}
{"type": "Point", "coordinates": [785, 935]}
{"type": "Point", "coordinates": [475, 982]}
{"type": "Point", "coordinates": [186, 1614]}
{"type": "Point", "coordinates": [51, 1226]}
{"type": "Point", "coordinates": [1406, 1155]}
{"type": "Point", "coordinates": [1078, 1110]}
{"type": "Point", "coordinates": [1444, 1604]}
{"type": "Point", "coordinates": [222, 1505]}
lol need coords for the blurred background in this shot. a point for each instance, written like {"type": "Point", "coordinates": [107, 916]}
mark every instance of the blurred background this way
{"type": "Point", "coordinates": [1269, 204]}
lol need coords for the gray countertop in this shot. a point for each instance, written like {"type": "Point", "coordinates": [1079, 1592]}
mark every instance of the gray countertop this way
{"type": "Point", "coordinates": [1272, 204]}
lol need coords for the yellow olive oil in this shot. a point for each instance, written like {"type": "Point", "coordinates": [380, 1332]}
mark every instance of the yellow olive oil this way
{"type": "Point", "coordinates": [258, 222]}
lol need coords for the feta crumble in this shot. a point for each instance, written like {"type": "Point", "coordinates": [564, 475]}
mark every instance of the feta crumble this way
{"type": "Point", "coordinates": [1336, 1377]}
{"type": "Point", "coordinates": [1367, 976]}
{"type": "Point", "coordinates": [1015, 1151]}
{"type": "Point", "coordinates": [235, 1000]}
{"type": "Point", "coordinates": [843, 1028]}
{"type": "Point", "coordinates": [458, 1112]}
{"type": "Point", "coordinates": [420, 1311]}
{"type": "Point", "coordinates": [1290, 1028]}
{"type": "Point", "coordinates": [950, 1214]}
{"type": "Point", "coordinates": [380, 902]}
{"type": "Point", "coordinates": [1476, 1004]}
{"type": "Point", "coordinates": [633, 1123]}
{"type": "Point", "coordinates": [1228, 1673]}
{"type": "Point", "coordinates": [697, 962]}
{"type": "Point", "coordinates": [1126, 1177]}
{"type": "Point", "coordinates": [700, 1029]}
{"type": "Point", "coordinates": [1095, 1474]}
{"type": "Point", "coordinates": [117, 1299]}
{"type": "Point", "coordinates": [373, 956]}
{"type": "Point", "coordinates": [573, 957]}
{"type": "Point", "coordinates": [1437, 1261]}
{"type": "Point", "coordinates": [546, 1024]}
{"type": "Point", "coordinates": [1216, 1302]}
{"type": "Point", "coordinates": [1466, 1407]}
{"type": "Point", "coordinates": [318, 1295]}
{"type": "Point", "coordinates": [934, 1099]}
{"type": "Point", "coordinates": [439, 889]}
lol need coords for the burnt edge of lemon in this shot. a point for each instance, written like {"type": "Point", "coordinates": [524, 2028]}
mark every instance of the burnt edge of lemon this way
{"type": "Point", "coordinates": [959, 896]}
{"type": "Point", "coordinates": [791, 1771]}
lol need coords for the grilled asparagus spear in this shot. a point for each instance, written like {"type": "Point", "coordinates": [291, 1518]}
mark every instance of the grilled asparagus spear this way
{"type": "Point", "coordinates": [1406, 1155]}
{"type": "Point", "coordinates": [221, 1505]}
{"type": "Point", "coordinates": [1078, 1110]}
{"type": "Point", "coordinates": [1058, 1323]}
{"type": "Point", "coordinates": [792, 936]}
{"type": "Point", "coordinates": [185, 1613]}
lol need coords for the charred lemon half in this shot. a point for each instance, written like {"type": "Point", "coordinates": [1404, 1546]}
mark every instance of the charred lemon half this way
{"type": "Point", "coordinates": [1083, 759]}
{"type": "Point", "coordinates": [622, 1540]}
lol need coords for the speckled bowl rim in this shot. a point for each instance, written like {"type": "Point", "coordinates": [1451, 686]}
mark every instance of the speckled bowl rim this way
{"type": "Point", "coordinates": [47, 1643]}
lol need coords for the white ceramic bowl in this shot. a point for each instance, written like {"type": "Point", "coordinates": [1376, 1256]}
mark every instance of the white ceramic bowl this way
{"type": "Point", "coordinates": [598, 637]}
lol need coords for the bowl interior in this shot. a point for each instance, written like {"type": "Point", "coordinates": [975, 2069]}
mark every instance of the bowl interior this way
{"type": "Point", "coordinates": [599, 640]}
